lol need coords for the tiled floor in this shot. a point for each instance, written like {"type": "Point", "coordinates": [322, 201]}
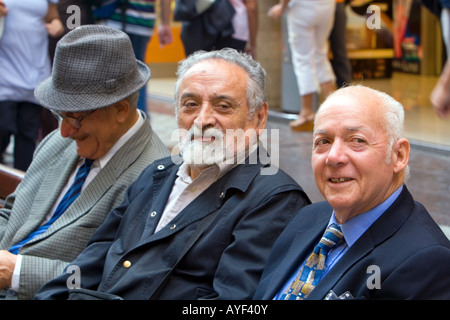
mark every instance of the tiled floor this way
{"type": "Point", "coordinates": [430, 168]}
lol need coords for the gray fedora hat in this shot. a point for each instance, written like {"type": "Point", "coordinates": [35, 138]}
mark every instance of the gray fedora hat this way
{"type": "Point", "coordinates": [94, 67]}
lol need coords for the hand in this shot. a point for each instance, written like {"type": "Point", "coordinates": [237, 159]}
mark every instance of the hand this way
{"type": "Point", "coordinates": [440, 98]}
{"type": "Point", "coordinates": [7, 265]}
{"type": "Point", "coordinates": [251, 50]}
{"type": "Point", "coordinates": [3, 9]}
{"type": "Point", "coordinates": [54, 28]}
{"type": "Point", "coordinates": [276, 11]}
{"type": "Point", "coordinates": [165, 35]}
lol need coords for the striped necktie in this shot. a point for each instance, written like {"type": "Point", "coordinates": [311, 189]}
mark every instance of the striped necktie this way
{"type": "Point", "coordinates": [311, 273]}
{"type": "Point", "coordinates": [71, 194]}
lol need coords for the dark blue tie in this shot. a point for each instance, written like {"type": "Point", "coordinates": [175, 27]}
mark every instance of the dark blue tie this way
{"type": "Point", "coordinates": [71, 194]}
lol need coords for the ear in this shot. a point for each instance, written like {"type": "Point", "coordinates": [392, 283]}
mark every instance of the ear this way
{"type": "Point", "coordinates": [260, 117]}
{"type": "Point", "coordinates": [401, 152]}
{"type": "Point", "coordinates": [122, 109]}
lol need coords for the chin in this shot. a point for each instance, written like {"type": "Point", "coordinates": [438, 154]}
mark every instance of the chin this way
{"type": "Point", "coordinates": [340, 203]}
{"type": "Point", "coordinates": [86, 155]}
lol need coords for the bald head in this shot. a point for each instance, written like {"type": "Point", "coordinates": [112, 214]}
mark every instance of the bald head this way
{"type": "Point", "coordinates": [390, 112]}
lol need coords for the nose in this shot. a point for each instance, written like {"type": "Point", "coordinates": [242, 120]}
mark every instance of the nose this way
{"type": "Point", "coordinates": [337, 154]}
{"type": "Point", "coordinates": [205, 116]}
{"type": "Point", "coordinates": [66, 129]}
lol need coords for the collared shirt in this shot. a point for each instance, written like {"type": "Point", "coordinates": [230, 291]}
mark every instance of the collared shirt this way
{"type": "Point", "coordinates": [352, 230]}
{"type": "Point", "coordinates": [97, 165]}
{"type": "Point", "coordinates": [185, 190]}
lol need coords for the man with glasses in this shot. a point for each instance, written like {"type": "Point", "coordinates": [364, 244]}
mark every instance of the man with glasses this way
{"type": "Point", "coordinates": [80, 172]}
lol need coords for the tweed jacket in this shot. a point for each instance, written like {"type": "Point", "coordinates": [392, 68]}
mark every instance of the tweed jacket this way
{"type": "Point", "coordinates": [403, 255]}
{"type": "Point", "coordinates": [127, 258]}
{"type": "Point", "coordinates": [45, 256]}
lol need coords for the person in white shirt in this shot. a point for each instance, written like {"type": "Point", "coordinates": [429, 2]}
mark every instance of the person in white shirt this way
{"type": "Point", "coordinates": [24, 63]}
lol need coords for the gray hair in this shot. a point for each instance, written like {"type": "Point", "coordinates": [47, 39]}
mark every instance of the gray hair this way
{"type": "Point", "coordinates": [256, 74]}
{"type": "Point", "coordinates": [133, 98]}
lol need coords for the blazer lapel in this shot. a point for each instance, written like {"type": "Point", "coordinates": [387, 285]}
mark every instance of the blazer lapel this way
{"type": "Point", "coordinates": [305, 239]}
{"type": "Point", "coordinates": [164, 175]}
{"type": "Point", "coordinates": [382, 229]}
{"type": "Point", "coordinates": [53, 182]}
{"type": "Point", "coordinates": [199, 208]}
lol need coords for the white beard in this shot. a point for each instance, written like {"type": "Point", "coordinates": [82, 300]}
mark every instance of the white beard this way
{"type": "Point", "coordinates": [201, 153]}
{"type": "Point", "coordinates": [230, 148]}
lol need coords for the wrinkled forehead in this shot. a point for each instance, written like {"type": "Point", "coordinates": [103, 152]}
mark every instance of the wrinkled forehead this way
{"type": "Point", "coordinates": [214, 75]}
{"type": "Point", "coordinates": [214, 65]}
{"type": "Point", "coordinates": [353, 100]}
{"type": "Point", "coordinates": [354, 108]}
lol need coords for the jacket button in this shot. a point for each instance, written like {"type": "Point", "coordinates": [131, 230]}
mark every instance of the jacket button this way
{"type": "Point", "coordinates": [127, 263]}
{"type": "Point", "coordinates": [153, 214]}
{"type": "Point", "coordinates": [173, 226]}
{"type": "Point", "coordinates": [161, 167]}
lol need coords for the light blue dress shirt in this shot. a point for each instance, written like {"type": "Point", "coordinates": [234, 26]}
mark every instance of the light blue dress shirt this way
{"type": "Point", "coordinates": [352, 230]}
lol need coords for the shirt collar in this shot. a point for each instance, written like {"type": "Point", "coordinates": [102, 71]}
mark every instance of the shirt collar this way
{"type": "Point", "coordinates": [354, 228]}
{"type": "Point", "coordinates": [216, 171]}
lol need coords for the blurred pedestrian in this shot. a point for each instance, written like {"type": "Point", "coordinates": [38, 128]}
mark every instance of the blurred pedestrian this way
{"type": "Point", "coordinates": [340, 62]}
{"type": "Point", "coordinates": [309, 25]}
{"type": "Point", "coordinates": [137, 19]}
{"type": "Point", "coordinates": [238, 32]}
{"type": "Point", "coordinates": [440, 96]}
{"type": "Point", "coordinates": [24, 63]}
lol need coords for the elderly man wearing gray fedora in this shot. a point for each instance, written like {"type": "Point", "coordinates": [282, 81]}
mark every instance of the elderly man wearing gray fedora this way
{"type": "Point", "coordinates": [102, 146]}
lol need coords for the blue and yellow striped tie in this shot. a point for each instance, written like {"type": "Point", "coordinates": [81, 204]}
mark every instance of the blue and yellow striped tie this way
{"type": "Point", "coordinates": [71, 194]}
{"type": "Point", "coordinates": [311, 273]}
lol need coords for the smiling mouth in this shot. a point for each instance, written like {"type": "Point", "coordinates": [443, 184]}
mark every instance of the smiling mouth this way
{"type": "Point", "coordinates": [339, 180]}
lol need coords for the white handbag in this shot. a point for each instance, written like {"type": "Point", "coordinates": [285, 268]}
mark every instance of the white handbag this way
{"type": "Point", "coordinates": [203, 5]}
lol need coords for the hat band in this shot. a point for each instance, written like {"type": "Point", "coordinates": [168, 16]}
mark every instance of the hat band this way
{"type": "Point", "coordinates": [108, 86]}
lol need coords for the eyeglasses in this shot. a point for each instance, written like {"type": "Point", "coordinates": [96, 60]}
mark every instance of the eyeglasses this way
{"type": "Point", "coordinates": [73, 121]}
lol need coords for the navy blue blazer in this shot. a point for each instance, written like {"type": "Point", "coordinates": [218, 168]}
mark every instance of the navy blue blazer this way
{"type": "Point", "coordinates": [225, 263]}
{"type": "Point", "coordinates": [408, 247]}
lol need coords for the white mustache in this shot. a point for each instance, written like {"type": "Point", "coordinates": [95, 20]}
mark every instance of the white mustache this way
{"type": "Point", "coordinates": [198, 132]}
